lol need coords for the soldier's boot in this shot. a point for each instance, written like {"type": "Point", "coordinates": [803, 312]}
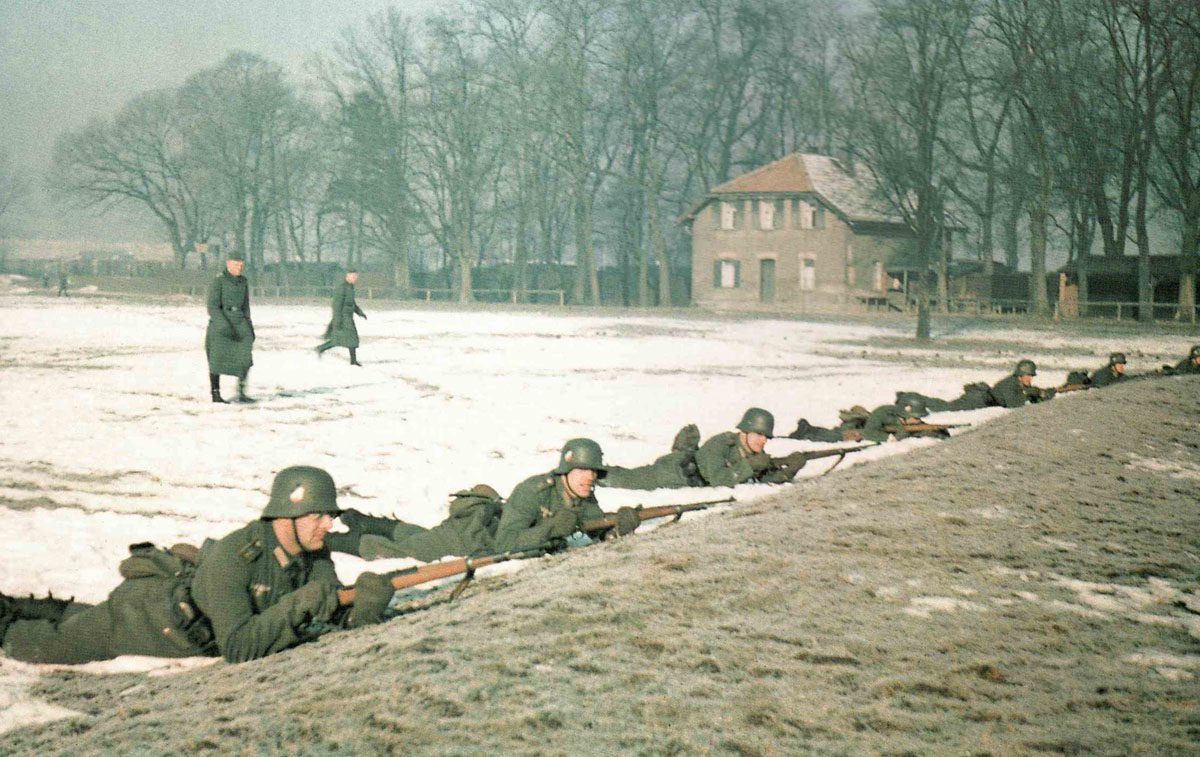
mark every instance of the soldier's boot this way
{"type": "Point", "coordinates": [7, 616]}
{"type": "Point", "coordinates": [362, 523]}
{"type": "Point", "coordinates": [323, 347]}
{"type": "Point", "coordinates": [354, 357]}
{"type": "Point", "coordinates": [242, 396]}
{"type": "Point", "coordinates": [803, 429]}
{"type": "Point", "coordinates": [214, 383]}
{"type": "Point", "coordinates": [687, 439]}
{"type": "Point", "coordinates": [40, 608]}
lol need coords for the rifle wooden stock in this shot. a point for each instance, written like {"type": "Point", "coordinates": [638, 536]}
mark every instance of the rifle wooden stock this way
{"type": "Point", "coordinates": [1072, 388]}
{"type": "Point", "coordinates": [419, 574]}
{"type": "Point", "coordinates": [649, 513]}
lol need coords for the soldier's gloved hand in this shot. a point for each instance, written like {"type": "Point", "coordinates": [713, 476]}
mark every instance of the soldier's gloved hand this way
{"type": "Point", "coordinates": [759, 462]}
{"type": "Point", "coordinates": [372, 594]}
{"type": "Point", "coordinates": [364, 315]}
{"type": "Point", "coordinates": [794, 462]}
{"type": "Point", "coordinates": [562, 523]}
{"type": "Point", "coordinates": [628, 521]}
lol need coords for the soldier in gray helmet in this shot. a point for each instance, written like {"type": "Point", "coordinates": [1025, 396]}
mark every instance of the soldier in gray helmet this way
{"type": "Point", "coordinates": [229, 339]}
{"type": "Point", "coordinates": [1017, 389]}
{"type": "Point", "coordinates": [879, 425]}
{"type": "Point", "coordinates": [259, 590]}
{"type": "Point", "coordinates": [734, 457]}
{"type": "Point", "coordinates": [1189, 365]}
{"type": "Point", "coordinates": [548, 507]}
{"type": "Point", "coordinates": [1011, 391]}
{"type": "Point", "coordinates": [1111, 373]}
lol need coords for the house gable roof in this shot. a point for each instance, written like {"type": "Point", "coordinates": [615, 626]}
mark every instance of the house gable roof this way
{"type": "Point", "coordinates": [806, 173]}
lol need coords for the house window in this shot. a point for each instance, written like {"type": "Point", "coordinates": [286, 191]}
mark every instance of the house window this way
{"type": "Point", "coordinates": [879, 277]}
{"type": "Point", "coordinates": [766, 214]}
{"type": "Point", "coordinates": [808, 273]}
{"type": "Point", "coordinates": [728, 215]}
{"type": "Point", "coordinates": [819, 217]}
{"type": "Point", "coordinates": [806, 213]}
{"type": "Point", "coordinates": [727, 274]}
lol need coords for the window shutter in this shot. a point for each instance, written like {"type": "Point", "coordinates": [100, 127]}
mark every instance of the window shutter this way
{"type": "Point", "coordinates": [717, 274]}
{"type": "Point", "coordinates": [737, 273]}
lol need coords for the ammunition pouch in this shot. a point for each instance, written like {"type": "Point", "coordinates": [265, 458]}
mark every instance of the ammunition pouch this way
{"type": "Point", "coordinates": [177, 566]}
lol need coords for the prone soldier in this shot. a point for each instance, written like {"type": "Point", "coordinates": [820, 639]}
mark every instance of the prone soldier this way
{"type": "Point", "coordinates": [880, 424]}
{"type": "Point", "coordinates": [734, 457]}
{"type": "Point", "coordinates": [1189, 365]}
{"type": "Point", "coordinates": [263, 588]}
{"type": "Point", "coordinates": [1011, 391]}
{"type": "Point", "coordinates": [549, 507]}
{"type": "Point", "coordinates": [1109, 374]}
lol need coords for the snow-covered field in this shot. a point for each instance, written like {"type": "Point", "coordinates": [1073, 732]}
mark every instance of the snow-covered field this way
{"type": "Point", "coordinates": [109, 436]}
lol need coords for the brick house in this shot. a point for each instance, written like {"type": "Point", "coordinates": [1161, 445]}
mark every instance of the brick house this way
{"type": "Point", "coordinates": [799, 232]}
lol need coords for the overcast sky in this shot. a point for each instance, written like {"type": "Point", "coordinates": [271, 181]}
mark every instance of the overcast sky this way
{"type": "Point", "coordinates": [65, 61]}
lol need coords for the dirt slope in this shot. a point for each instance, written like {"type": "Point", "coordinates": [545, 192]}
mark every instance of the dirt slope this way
{"type": "Point", "coordinates": [1020, 588]}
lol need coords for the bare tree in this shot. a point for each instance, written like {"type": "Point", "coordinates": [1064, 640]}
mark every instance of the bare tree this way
{"type": "Point", "coordinates": [13, 186]}
{"type": "Point", "coordinates": [459, 150]}
{"type": "Point", "coordinates": [371, 84]}
{"type": "Point", "coordinates": [238, 113]}
{"type": "Point", "coordinates": [141, 156]}
{"type": "Point", "coordinates": [1177, 173]}
{"type": "Point", "coordinates": [904, 77]}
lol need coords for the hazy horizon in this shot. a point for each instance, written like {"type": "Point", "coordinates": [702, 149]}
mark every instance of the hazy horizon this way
{"type": "Point", "coordinates": [63, 62]}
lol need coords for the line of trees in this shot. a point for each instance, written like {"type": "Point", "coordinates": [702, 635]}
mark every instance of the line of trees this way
{"type": "Point", "coordinates": [531, 132]}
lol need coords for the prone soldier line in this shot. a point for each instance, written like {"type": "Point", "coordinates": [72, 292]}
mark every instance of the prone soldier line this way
{"type": "Point", "coordinates": [271, 584]}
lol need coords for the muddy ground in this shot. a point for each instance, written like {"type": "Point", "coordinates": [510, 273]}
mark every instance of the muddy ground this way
{"type": "Point", "coordinates": [1021, 588]}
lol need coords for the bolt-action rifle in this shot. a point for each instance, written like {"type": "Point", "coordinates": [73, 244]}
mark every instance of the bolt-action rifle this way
{"type": "Point", "coordinates": [1072, 388]}
{"type": "Point", "coordinates": [648, 513]}
{"type": "Point", "coordinates": [913, 428]}
{"type": "Point", "coordinates": [791, 464]}
{"type": "Point", "coordinates": [419, 574]}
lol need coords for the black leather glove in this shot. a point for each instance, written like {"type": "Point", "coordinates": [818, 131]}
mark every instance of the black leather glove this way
{"type": "Point", "coordinates": [372, 594]}
{"type": "Point", "coordinates": [562, 523]}
{"type": "Point", "coordinates": [628, 521]}
{"type": "Point", "coordinates": [759, 462]}
{"type": "Point", "coordinates": [230, 332]}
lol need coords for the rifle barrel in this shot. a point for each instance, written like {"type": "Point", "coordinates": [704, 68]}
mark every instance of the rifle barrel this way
{"type": "Point", "coordinates": [419, 574]}
{"type": "Point", "coordinates": [649, 513]}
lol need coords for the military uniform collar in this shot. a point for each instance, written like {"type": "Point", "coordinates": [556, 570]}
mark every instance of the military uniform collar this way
{"type": "Point", "coordinates": [280, 555]}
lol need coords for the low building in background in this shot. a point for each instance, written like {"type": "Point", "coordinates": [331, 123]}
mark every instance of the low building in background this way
{"type": "Point", "coordinates": [800, 232]}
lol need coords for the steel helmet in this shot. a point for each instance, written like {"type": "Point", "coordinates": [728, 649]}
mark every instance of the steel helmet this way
{"type": "Point", "coordinates": [581, 453]}
{"type": "Point", "coordinates": [1116, 357]}
{"type": "Point", "coordinates": [758, 421]}
{"type": "Point", "coordinates": [913, 407]}
{"type": "Point", "coordinates": [1195, 353]}
{"type": "Point", "coordinates": [300, 490]}
{"type": "Point", "coordinates": [1025, 368]}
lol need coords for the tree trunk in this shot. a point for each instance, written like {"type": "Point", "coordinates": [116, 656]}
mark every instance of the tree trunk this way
{"type": "Point", "coordinates": [659, 244]}
{"type": "Point", "coordinates": [1038, 215]}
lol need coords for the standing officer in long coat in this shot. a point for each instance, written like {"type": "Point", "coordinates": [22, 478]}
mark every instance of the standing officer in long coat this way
{"type": "Point", "coordinates": [229, 340]}
{"type": "Point", "coordinates": [341, 331]}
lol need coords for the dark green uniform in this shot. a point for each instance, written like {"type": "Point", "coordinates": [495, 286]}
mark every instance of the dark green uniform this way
{"type": "Point", "coordinates": [1186, 366]}
{"type": "Point", "coordinates": [975, 396]}
{"type": "Point", "coordinates": [722, 461]}
{"type": "Point", "coordinates": [341, 331]}
{"type": "Point", "coordinates": [1105, 376]}
{"type": "Point", "coordinates": [470, 530]}
{"type": "Point", "coordinates": [229, 340]}
{"type": "Point", "coordinates": [259, 599]}
{"type": "Point", "coordinates": [884, 415]}
{"type": "Point", "coordinates": [141, 616]}
{"type": "Point", "coordinates": [533, 501]}
{"type": "Point", "coordinates": [1010, 392]}
{"type": "Point", "coordinates": [674, 470]}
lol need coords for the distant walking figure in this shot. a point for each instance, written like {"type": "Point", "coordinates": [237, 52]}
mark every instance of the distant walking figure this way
{"type": "Point", "coordinates": [341, 331]}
